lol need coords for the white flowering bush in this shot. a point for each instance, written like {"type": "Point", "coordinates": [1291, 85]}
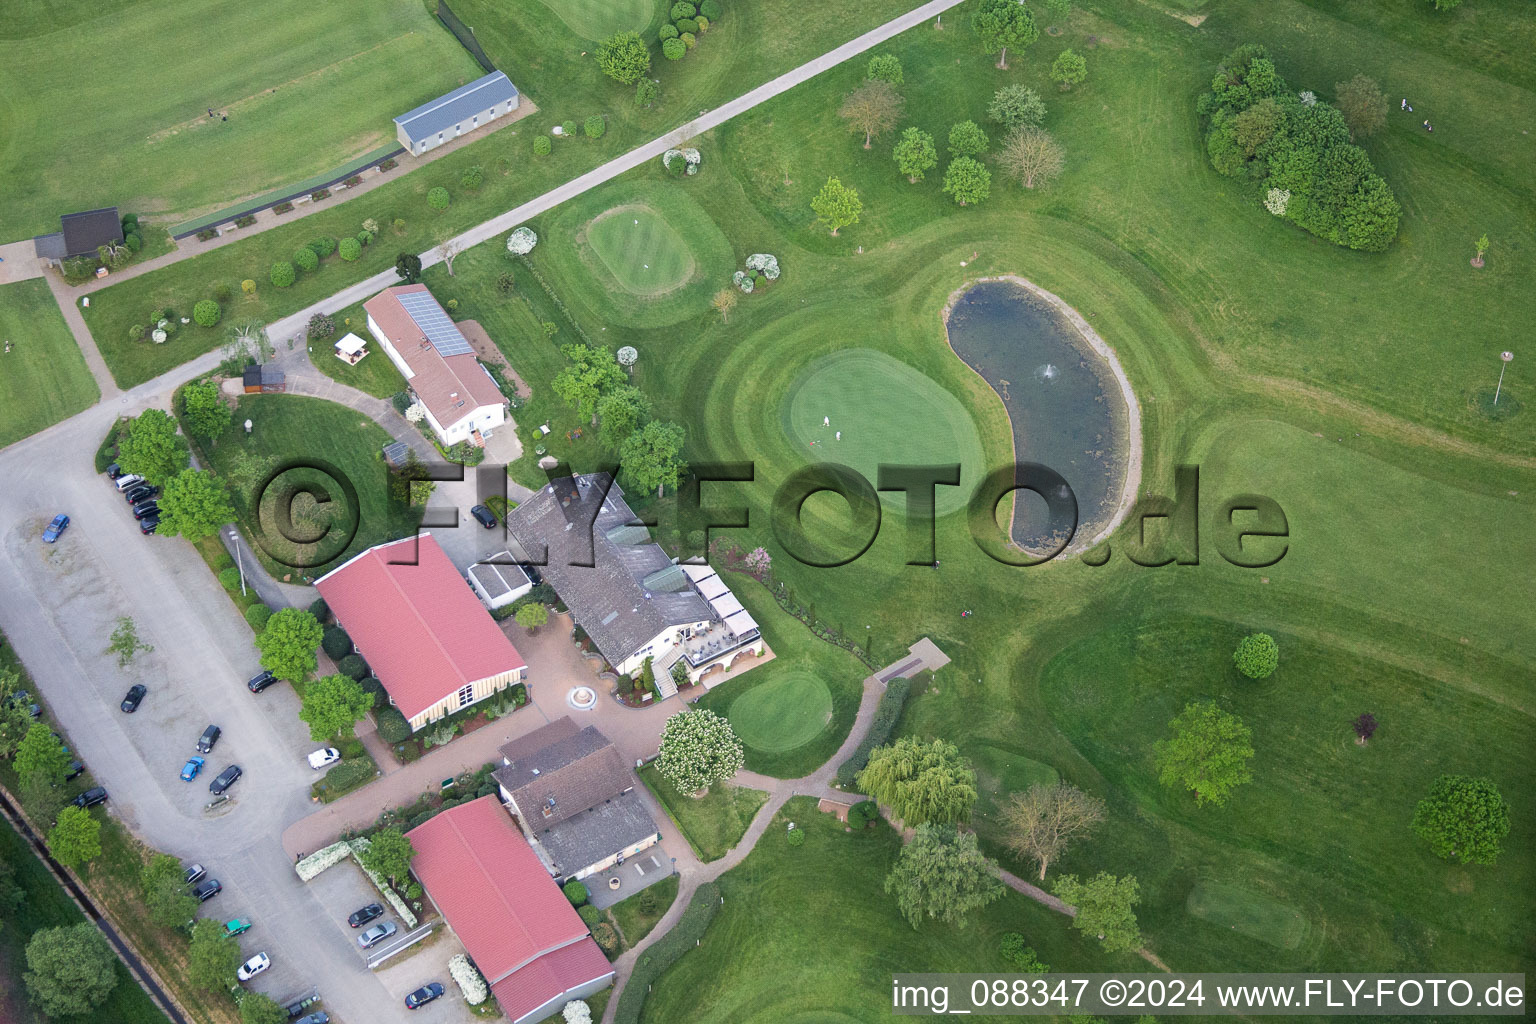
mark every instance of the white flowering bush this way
{"type": "Point", "coordinates": [690, 156]}
{"type": "Point", "coordinates": [522, 241]}
{"type": "Point", "coordinates": [415, 412]}
{"type": "Point", "coordinates": [1308, 98]}
{"type": "Point", "coordinates": [406, 915]}
{"type": "Point", "coordinates": [698, 749]}
{"type": "Point", "coordinates": [159, 335]}
{"type": "Point", "coordinates": [318, 861]}
{"type": "Point", "coordinates": [742, 281]}
{"type": "Point", "coordinates": [468, 979]}
{"type": "Point", "coordinates": [577, 1012]}
{"type": "Point", "coordinates": [1277, 200]}
{"type": "Point", "coordinates": [765, 264]}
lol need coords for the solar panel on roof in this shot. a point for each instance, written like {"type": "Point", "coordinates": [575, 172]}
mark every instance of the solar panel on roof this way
{"type": "Point", "coordinates": [435, 324]}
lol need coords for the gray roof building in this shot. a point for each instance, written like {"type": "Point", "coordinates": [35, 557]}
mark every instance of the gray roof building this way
{"type": "Point", "coordinates": [557, 771]}
{"type": "Point", "coordinates": [463, 110]}
{"type": "Point", "coordinates": [82, 234]}
{"type": "Point", "coordinates": [591, 837]}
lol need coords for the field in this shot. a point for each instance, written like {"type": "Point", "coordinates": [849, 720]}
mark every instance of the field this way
{"type": "Point", "coordinates": [714, 822]}
{"type": "Point", "coordinates": [783, 714]}
{"type": "Point", "coordinates": [43, 377]}
{"type": "Point", "coordinates": [599, 19]}
{"type": "Point", "coordinates": [304, 86]}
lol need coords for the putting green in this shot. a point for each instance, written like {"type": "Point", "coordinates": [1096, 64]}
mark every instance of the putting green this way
{"type": "Point", "coordinates": [1242, 910]}
{"type": "Point", "coordinates": [886, 411]}
{"type": "Point", "coordinates": [599, 19]}
{"type": "Point", "coordinates": [782, 714]}
{"type": "Point", "coordinates": [641, 250]}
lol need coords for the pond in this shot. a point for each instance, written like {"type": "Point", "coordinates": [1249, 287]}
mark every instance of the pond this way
{"type": "Point", "coordinates": [1068, 400]}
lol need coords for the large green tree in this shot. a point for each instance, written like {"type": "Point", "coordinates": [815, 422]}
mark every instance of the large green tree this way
{"type": "Point", "coordinates": [206, 412]}
{"type": "Point", "coordinates": [698, 749]}
{"type": "Point", "coordinates": [40, 755]}
{"type": "Point", "coordinates": [942, 875]}
{"type": "Point", "coordinates": [70, 970]}
{"type": "Point", "coordinates": [592, 372]}
{"type": "Point", "coordinates": [75, 838]}
{"type": "Point", "coordinates": [652, 457]}
{"type": "Point", "coordinates": [288, 644]}
{"type": "Point", "coordinates": [1463, 819]}
{"type": "Point", "coordinates": [194, 505]}
{"type": "Point", "coordinates": [1106, 907]}
{"type": "Point", "coordinates": [914, 154]}
{"type": "Point", "coordinates": [152, 448]}
{"type": "Point", "coordinates": [1015, 107]}
{"type": "Point", "coordinates": [967, 181]}
{"type": "Point", "coordinates": [389, 854]}
{"type": "Point", "coordinates": [333, 706]}
{"type": "Point", "coordinates": [837, 205]}
{"type": "Point", "coordinates": [260, 1008]}
{"type": "Point", "coordinates": [620, 413]}
{"type": "Point", "coordinates": [531, 616]}
{"type": "Point", "coordinates": [1001, 24]}
{"type": "Point", "coordinates": [165, 896]}
{"type": "Point", "coordinates": [1068, 69]}
{"type": "Point", "coordinates": [1207, 754]}
{"type": "Point", "coordinates": [920, 782]}
{"type": "Point", "coordinates": [213, 957]}
{"type": "Point", "coordinates": [15, 712]}
{"type": "Point", "coordinates": [623, 57]}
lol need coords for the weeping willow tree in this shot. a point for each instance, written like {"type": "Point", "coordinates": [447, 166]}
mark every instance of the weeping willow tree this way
{"type": "Point", "coordinates": [920, 782]}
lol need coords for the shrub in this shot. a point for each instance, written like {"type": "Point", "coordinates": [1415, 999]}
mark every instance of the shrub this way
{"type": "Point", "coordinates": [683, 9]}
{"type": "Point", "coordinates": [686, 26]}
{"type": "Point", "coordinates": [320, 326]}
{"type": "Point", "coordinates": [136, 332]}
{"type": "Point", "coordinates": [521, 241]}
{"type": "Point", "coordinates": [248, 286]}
{"type": "Point", "coordinates": [594, 126]}
{"type": "Point", "coordinates": [438, 198]}
{"type": "Point", "coordinates": [371, 684]}
{"type": "Point", "coordinates": [349, 774]}
{"type": "Point", "coordinates": [887, 712]}
{"type": "Point", "coordinates": [221, 293]}
{"type": "Point", "coordinates": [388, 165]}
{"type": "Point", "coordinates": [472, 178]}
{"type": "Point", "coordinates": [283, 208]}
{"type": "Point", "coordinates": [668, 31]}
{"type": "Point", "coordinates": [589, 914]}
{"type": "Point", "coordinates": [257, 615]}
{"type": "Point", "coordinates": [319, 194]}
{"type": "Point", "coordinates": [335, 643]}
{"type": "Point", "coordinates": [604, 935]}
{"type": "Point", "coordinates": [207, 235]}
{"type": "Point", "coordinates": [796, 837]}
{"type": "Point", "coordinates": [305, 259]}
{"type": "Point", "coordinates": [229, 579]}
{"type": "Point", "coordinates": [702, 23]}
{"type": "Point", "coordinates": [354, 181]}
{"type": "Point", "coordinates": [542, 146]}
{"type": "Point", "coordinates": [567, 128]}
{"type": "Point", "coordinates": [710, 9]}
{"type": "Point", "coordinates": [129, 221]}
{"type": "Point", "coordinates": [393, 728]}
{"type": "Point", "coordinates": [1019, 956]}
{"type": "Point", "coordinates": [323, 247]}
{"type": "Point", "coordinates": [674, 49]}
{"type": "Point", "coordinates": [206, 313]}
{"type": "Point", "coordinates": [688, 40]}
{"type": "Point", "coordinates": [134, 241]}
{"type": "Point", "coordinates": [576, 892]}
{"type": "Point", "coordinates": [1257, 655]}
{"type": "Point", "coordinates": [505, 282]}
{"type": "Point", "coordinates": [365, 237]}
{"type": "Point", "coordinates": [353, 666]}
{"type": "Point", "coordinates": [319, 609]}
{"type": "Point", "coordinates": [350, 249]}
{"type": "Point", "coordinates": [862, 813]}
{"type": "Point", "coordinates": [283, 274]}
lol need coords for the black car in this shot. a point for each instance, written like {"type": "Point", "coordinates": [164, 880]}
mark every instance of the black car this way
{"type": "Point", "coordinates": [149, 524]}
{"type": "Point", "coordinates": [24, 697]}
{"type": "Point", "coordinates": [362, 917]}
{"type": "Point", "coordinates": [145, 509]}
{"type": "Point", "coordinates": [207, 890]}
{"type": "Point", "coordinates": [532, 572]}
{"type": "Point", "coordinates": [424, 995]}
{"type": "Point", "coordinates": [76, 769]}
{"type": "Point", "coordinates": [319, 1017]}
{"type": "Point", "coordinates": [484, 516]}
{"type": "Point", "coordinates": [114, 471]}
{"type": "Point", "coordinates": [140, 492]}
{"type": "Point", "coordinates": [261, 682]}
{"type": "Point", "coordinates": [225, 779]}
{"type": "Point", "coordinates": [194, 872]}
{"type": "Point", "coordinates": [206, 741]}
{"type": "Point", "coordinates": [91, 797]}
{"type": "Point", "coordinates": [134, 698]}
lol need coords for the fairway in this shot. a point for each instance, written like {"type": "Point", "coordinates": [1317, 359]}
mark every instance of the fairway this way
{"type": "Point", "coordinates": [641, 250]}
{"type": "Point", "coordinates": [783, 714]}
{"type": "Point", "coordinates": [1258, 917]}
{"type": "Point", "coordinates": [886, 412]}
{"type": "Point", "coordinates": [599, 19]}
{"type": "Point", "coordinates": [305, 87]}
{"type": "Point", "coordinates": [43, 378]}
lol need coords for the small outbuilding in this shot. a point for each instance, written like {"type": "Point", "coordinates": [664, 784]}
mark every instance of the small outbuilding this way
{"type": "Point", "coordinates": [350, 349]}
{"type": "Point", "coordinates": [456, 113]}
{"type": "Point", "coordinates": [260, 380]}
{"type": "Point", "coordinates": [82, 234]}
{"type": "Point", "coordinates": [499, 580]}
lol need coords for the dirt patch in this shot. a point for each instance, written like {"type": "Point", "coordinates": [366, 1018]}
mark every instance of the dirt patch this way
{"type": "Point", "coordinates": [834, 808]}
{"type": "Point", "coordinates": [487, 351]}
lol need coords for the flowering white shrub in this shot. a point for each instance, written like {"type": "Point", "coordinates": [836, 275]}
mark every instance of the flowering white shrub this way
{"type": "Point", "coordinates": [765, 264]}
{"type": "Point", "coordinates": [415, 412]}
{"type": "Point", "coordinates": [742, 281]}
{"type": "Point", "coordinates": [1308, 98]}
{"type": "Point", "coordinates": [690, 155]}
{"type": "Point", "coordinates": [1277, 200]}
{"type": "Point", "coordinates": [698, 748]}
{"type": "Point", "coordinates": [577, 1012]}
{"type": "Point", "coordinates": [522, 241]}
{"type": "Point", "coordinates": [318, 861]}
{"type": "Point", "coordinates": [159, 335]}
{"type": "Point", "coordinates": [468, 978]}
{"type": "Point", "coordinates": [357, 847]}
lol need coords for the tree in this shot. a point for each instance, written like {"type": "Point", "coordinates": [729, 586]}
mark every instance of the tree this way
{"type": "Point", "coordinates": [70, 970]}
{"type": "Point", "coordinates": [448, 252]}
{"type": "Point", "coordinates": [623, 57]}
{"type": "Point", "coordinates": [1032, 157]}
{"type": "Point", "coordinates": [884, 67]}
{"type": "Point", "coordinates": [15, 712]}
{"type": "Point", "coordinates": [967, 181]}
{"type": "Point", "coordinates": [967, 138]}
{"type": "Point", "coordinates": [723, 302]}
{"type": "Point", "coordinates": [577, 1012]}
{"type": "Point", "coordinates": [333, 705]}
{"type": "Point", "coordinates": [75, 838]}
{"type": "Point", "coordinates": [920, 782]}
{"type": "Point", "coordinates": [408, 267]}
{"type": "Point", "coordinates": [1019, 956]}
{"type": "Point", "coordinates": [11, 894]}
{"type": "Point", "coordinates": [288, 644]}
{"type": "Point", "coordinates": [125, 643]}
{"type": "Point", "coordinates": [652, 457]}
{"type": "Point", "coordinates": [620, 413]}
{"type": "Point", "coordinates": [42, 798]}
{"type": "Point", "coordinates": [873, 109]}
{"type": "Point", "coordinates": [247, 341]}
{"type": "Point", "coordinates": [942, 875]}
{"type": "Point", "coordinates": [1105, 908]}
{"type": "Point", "coordinates": [542, 146]}
{"type": "Point", "coordinates": [1257, 655]}
{"type": "Point", "coordinates": [40, 755]}
{"type": "Point", "coordinates": [152, 448]}
{"type": "Point", "coordinates": [836, 205]}
{"type": "Point", "coordinates": [594, 126]}
{"type": "Point", "coordinates": [194, 505]}
{"type": "Point", "coordinates": [1058, 11]}
{"type": "Point", "coordinates": [207, 313]}
{"type": "Point", "coordinates": [1463, 819]}
{"type": "Point", "coordinates": [1257, 125]}
{"type": "Point", "coordinates": [591, 373]}
{"type": "Point", "coordinates": [1363, 105]}
{"type": "Point", "coordinates": [335, 642]}
{"type": "Point", "coordinates": [1069, 69]}
{"type": "Point", "coordinates": [1207, 754]}
{"type": "Point", "coordinates": [389, 854]}
{"type": "Point", "coordinates": [260, 1008]}
{"type": "Point", "coordinates": [213, 957]}
{"type": "Point", "coordinates": [1001, 24]}
{"type": "Point", "coordinates": [165, 895]}
{"type": "Point", "coordinates": [206, 414]}
{"type": "Point", "coordinates": [1043, 821]}
{"type": "Point", "coordinates": [531, 616]}
{"type": "Point", "coordinates": [1365, 728]}
{"type": "Point", "coordinates": [698, 749]}
{"type": "Point", "coordinates": [1015, 107]}
{"type": "Point", "coordinates": [914, 154]}
{"type": "Point", "coordinates": [646, 91]}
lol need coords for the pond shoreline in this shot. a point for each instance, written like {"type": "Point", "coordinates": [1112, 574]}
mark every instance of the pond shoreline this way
{"type": "Point", "coordinates": [1132, 456]}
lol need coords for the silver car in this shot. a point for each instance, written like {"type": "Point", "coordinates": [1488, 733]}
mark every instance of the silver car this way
{"type": "Point", "coordinates": [375, 935]}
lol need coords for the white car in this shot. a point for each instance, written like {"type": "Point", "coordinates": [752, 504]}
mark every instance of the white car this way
{"type": "Point", "coordinates": [324, 756]}
{"type": "Point", "coordinates": [254, 966]}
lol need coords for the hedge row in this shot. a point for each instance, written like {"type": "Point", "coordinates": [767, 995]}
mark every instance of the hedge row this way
{"type": "Point", "coordinates": [886, 715]}
{"type": "Point", "coordinates": [667, 951]}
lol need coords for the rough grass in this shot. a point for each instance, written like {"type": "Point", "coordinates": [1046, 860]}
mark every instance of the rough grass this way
{"type": "Point", "coordinates": [713, 823]}
{"type": "Point", "coordinates": [43, 378]}
{"type": "Point", "coordinates": [640, 250]}
{"type": "Point", "coordinates": [636, 924]}
{"type": "Point", "coordinates": [1243, 910]}
{"type": "Point", "coordinates": [598, 19]}
{"type": "Point", "coordinates": [782, 714]}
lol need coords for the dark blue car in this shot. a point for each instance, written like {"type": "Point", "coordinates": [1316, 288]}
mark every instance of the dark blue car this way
{"type": "Point", "coordinates": [56, 528]}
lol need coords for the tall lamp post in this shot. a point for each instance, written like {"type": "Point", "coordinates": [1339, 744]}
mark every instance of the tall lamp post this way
{"type": "Point", "coordinates": [1506, 356]}
{"type": "Point", "coordinates": [234, 542]}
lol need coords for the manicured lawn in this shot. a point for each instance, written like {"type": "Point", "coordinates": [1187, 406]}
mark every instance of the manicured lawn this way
{"type": "Point", "coordinates": [713, 823]}
{"type": "Point", "coordinates": [141, 138]}
{"type": "Point", "coordinates": [635, 923]}
{"type": "Point", "coordinates": [782, 714]}
{"type": "Point", "coordinates": [375, 375]}
{"type": "Point", "coordinates": [599, 19]}
{"type": "Point", "coordinates": [639, 248]}
{"type": "Point", "coordinates": [43, 378]}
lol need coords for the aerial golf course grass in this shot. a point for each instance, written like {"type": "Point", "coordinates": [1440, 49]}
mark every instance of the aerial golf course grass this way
{"type": "Point", "coordinates": [598, 19]}
{"type": "Point", "coordinates": [639, 248]}
{"type": "Point", "coordinates": [783, 714]}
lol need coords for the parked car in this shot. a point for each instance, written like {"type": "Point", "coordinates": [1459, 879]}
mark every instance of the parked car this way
{"type": "Point", "coordinates": [194, 872]}
{"type": "Point", "coordinates": [127, 480]}
{"type": "Point", "coordinates": [424, 995]}
{"type": "Point", "coordinates": [324, 756]}
{"type": "Point", "coordinates": [56, 528]}
{"type": "Point", "coordinates": [301, 1004]}
{"type": "Point", "coordinates": [207, 890]}
{"type": "Point", "coordinates": [225, 779]}
{"type": "Point", "coordinates": [359, 918]}
{"type": "Point", "coordinates": [114, 471]}
{"type": "Point", "coordinates": [140, 492]}
{"type": "Point", "coordinates": [236, 927]}
{"type": "Point", "coordinates": [377, 934]}
{"type": "Point", "coordinates": [252, 967]}
{"type": "Point", "coordinates": [134, 698]}
{"type": "Point", "coordinates": [24, 697]}
{"type": "Point", "coordinates": [532, 572]}
{"type": "Point", "coordinates": [191, 768]}
{"type": "Point", "coordinates": [484, 516]}
{"type": "Point", "coordinates": [320, 1017]}
{"type": "Point", "coordinates": [147, 508]}
{"type": "Point", "coordinates": [91, 797]}
{"type": "Point", "coordinates": [206, 741]}
{"type": "Point", "coordinates": [149, 524]}
{"type": "Point", "coordinates": [76, 769]}
{"type": "Point", "coordinates": [261, 682]}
